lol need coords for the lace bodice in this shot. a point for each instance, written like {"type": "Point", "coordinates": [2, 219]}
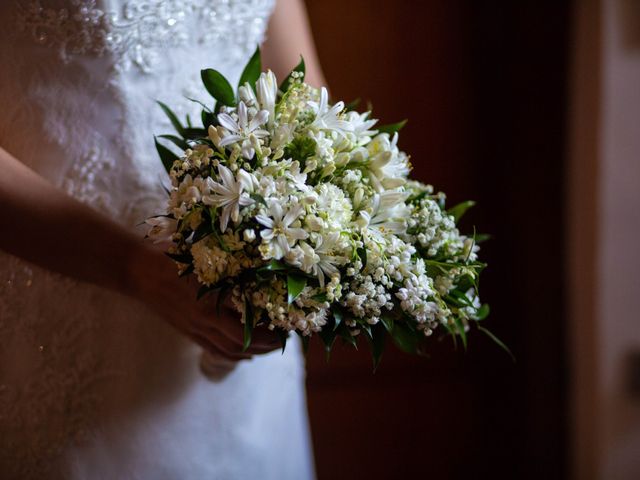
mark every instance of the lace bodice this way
{"type": "Point", "coordinates": [82, 369]}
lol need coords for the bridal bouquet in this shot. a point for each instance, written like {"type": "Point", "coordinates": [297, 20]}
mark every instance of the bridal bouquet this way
{"type": "Point", "coordinates": [302, 211]}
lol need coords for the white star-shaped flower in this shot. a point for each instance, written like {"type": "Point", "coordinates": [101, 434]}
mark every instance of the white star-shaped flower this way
{"type": "Point", "coordinates": [241, 129]}
{"type": "Point", "coordinates": [231, 194]}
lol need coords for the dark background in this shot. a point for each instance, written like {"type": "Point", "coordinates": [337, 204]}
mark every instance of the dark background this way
{"type": "Point", "coordinates": [483, 85]}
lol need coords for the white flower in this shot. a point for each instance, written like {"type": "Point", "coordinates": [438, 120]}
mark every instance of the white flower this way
{"type": "Point", "coordinates": [240, 130]}
{"type": "Point", "coordinates": [322, 260]}
{"type": "Point", "coordinates": [230, 194]}
{"type": "Point", "coordinates": [279, 235]}
{"type": "Point", "coordinates": [266, 91]}
{"type": "Point", "coordinates": [361, 123]}
{"type": "Point", "coordinates": [162, 228]}
{"type": "Point", "coordinates": [388, 167]}
{"type": "Point", "coordinates": [327, 116]}
{"type": "Point", "coordinates": [388, 212]}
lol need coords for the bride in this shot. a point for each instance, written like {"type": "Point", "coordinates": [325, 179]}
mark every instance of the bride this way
{"type": "Point", "coordinates": [99, 350]}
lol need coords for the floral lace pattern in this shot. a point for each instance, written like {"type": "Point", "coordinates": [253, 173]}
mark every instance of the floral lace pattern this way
{"type": "Point", "coordinates": [139, 33]}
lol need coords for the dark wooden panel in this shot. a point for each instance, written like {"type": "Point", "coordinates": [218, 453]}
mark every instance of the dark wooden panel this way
{"type": "Point", "coordinates": [482, 84]}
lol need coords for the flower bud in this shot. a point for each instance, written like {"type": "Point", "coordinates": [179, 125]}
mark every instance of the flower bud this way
{"type": "Point", "coordinates": [249, 235]}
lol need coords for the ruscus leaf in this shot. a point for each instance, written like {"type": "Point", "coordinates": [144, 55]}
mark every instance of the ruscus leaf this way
{"type": "Point", "coordinates": [295, 285]}
{"type": "Point", "coordinates": [392, 127]}
{"type": "Point", "coordinates": [284, 86]}
{"type": "Point", "coordinates": [166, 156]}
{"type": "Point", "coordinates": [252, 70]}
{"type": "Point", "coordinates": [218, 86]}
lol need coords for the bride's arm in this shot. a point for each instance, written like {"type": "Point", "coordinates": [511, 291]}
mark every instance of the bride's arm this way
{"type": "Point", "coordinates": [43, 225]}
{"type": "Point", "coordinates": [288, 37]}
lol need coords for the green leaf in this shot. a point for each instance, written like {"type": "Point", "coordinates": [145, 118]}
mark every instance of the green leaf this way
{"type": "Point", "coordinates": [295, 285]}
{"type": "Point", "coordinates": [203, 290]}
{"type": "Point", "coordinates": [166, 156]}
{"type": "Point", "coordinates": [273, 266]}
{"type": "Point", "coordinates": [247, 316]}
{"type": "Point", "coordinates": [352, 105]}
{"type": "Point", "coordinates": [392, 127]}
{"type": "Point", "coordinates": [377, 341]}
{"type": "Point", "coordinates": [283, 335]}
{"type": "Point", "coordinates": [218, 86]}
{"type": "Point", "coordinates": [405, 339]}
{"type": "Point", "coordinates": [328, 336]}
{"type": "Point", "coordinates": [337, 316]}
{"type": "Point", "coordinates": [185, 258]}
{"type": "Point", "coordinates": [258, 198]}
{"type": "Point", "coordinates": [483, 237]}
{"type": "Point", "coordinates": [208, 119]}
{"type": "Point", "coordinates": [187, 271]}
{"type": "Point", "coordinates": [179, 142]}
{"type": "Point", "coordinates": [346, 336]}
{"type": "Point", "coordinates": [387, 322]}
{"type": "Point", "coordinates": [172, 117]}
{"type": "Point", "coordinates": [460, 331]}
{"type": "Point", "coordinates": [362, 254]}
{"type": "Point", "coordinates": [252, 70]}
{"type": "Point", "coordinates": [482, 312]}
{"type": "Point", "coordinates": [284, 86]}
{"type": "Point", "coordinates": [497, 341]}
{"type": "Point", "coordinates": [459, 210]}
{"type": "Point", "coordinates": [194, 133]}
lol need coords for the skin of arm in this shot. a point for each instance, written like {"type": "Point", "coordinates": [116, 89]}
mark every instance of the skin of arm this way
{"type": "Point", "coordinates": [289, 36]}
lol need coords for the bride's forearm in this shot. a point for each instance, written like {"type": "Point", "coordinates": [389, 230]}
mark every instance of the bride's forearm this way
{"type": "Point", "coordinates": [45, 226]}
{"type": "Point", "coordinates": [289, 36]}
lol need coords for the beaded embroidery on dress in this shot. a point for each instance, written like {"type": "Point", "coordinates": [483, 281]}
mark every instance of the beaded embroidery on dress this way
{"type": "Point", "coordinates": [92, 385]}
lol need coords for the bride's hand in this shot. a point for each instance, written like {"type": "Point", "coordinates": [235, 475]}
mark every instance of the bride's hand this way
{"type": "Point", "coordinates": [155, 282]}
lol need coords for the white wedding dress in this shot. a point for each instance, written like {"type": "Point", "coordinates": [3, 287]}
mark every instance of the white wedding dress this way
{"type": "Point", "coordinates": [92, 385]}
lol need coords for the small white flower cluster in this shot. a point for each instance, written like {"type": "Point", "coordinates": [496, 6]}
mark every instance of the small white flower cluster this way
{"type": "Point", "coordinates": [304, 209]}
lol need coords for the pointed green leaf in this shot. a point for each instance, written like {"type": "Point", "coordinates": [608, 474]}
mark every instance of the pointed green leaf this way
{"type": "Point", "coordinates": [203, 290]}
{"type": "Point", "coordinates": [179, 142]}
{"type": "Point", "coordinates": [392, 127]}
{"type": "Point", "coordinates": [328, 336]}
{"type": "Point", "coordinates": [187, 271]}
{"type": "Point", "coordinates": [284, 86]}
{"type": "Point", "coordinates": [378, 339]}
{"type": "Point", "coordinates": [273, 266]}
{"type": "Point", "coordinates": [172, 117]}
{"type": "Point", "coordinates": [459, 210]}
{"type": "Point", "coordinates": [166, 156]}
{"type": "Point", "coordinates": [258, 198]}
{"type": "Point", "coordinates": [248, 319]}
{"type": "Point", "coordinates": [184, 258]}
{"type": "Point", "coordinates": [252, 70]}
{"type": "Point", "coordinates": [337, 316]}
{"type": "Point", "coordinates": [218, 86]}
{"type": "Point", "coordinates": [208, 119]}
{"type": "Point", "coordinates": [283, 335]}
{"type": "Point", "coordinates": [404, 338]}
{"type": "Point", "coordinates": [295, 285]}
{"type": "Point", "coordinates": [482, 312]}
{"type": "Point", "coordinates": [352, 105]}
{"type": "Point", "coordinates": [483, 237]}
{"type": "Point", "coordinates": [460, 331]}
{"type": "Point", "coordinates": [387, 322]}
{"type": "Point", "coordinates": [497, 341]}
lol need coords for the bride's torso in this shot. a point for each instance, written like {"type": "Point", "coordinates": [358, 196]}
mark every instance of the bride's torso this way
{"type": "Point", "coordinates": [81, 78]}
{"type": "Point", "coordinates": [80, 367]}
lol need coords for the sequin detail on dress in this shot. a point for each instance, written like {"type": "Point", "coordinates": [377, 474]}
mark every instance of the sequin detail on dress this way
{"type": "Point", "coordinates": [138, 33]}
